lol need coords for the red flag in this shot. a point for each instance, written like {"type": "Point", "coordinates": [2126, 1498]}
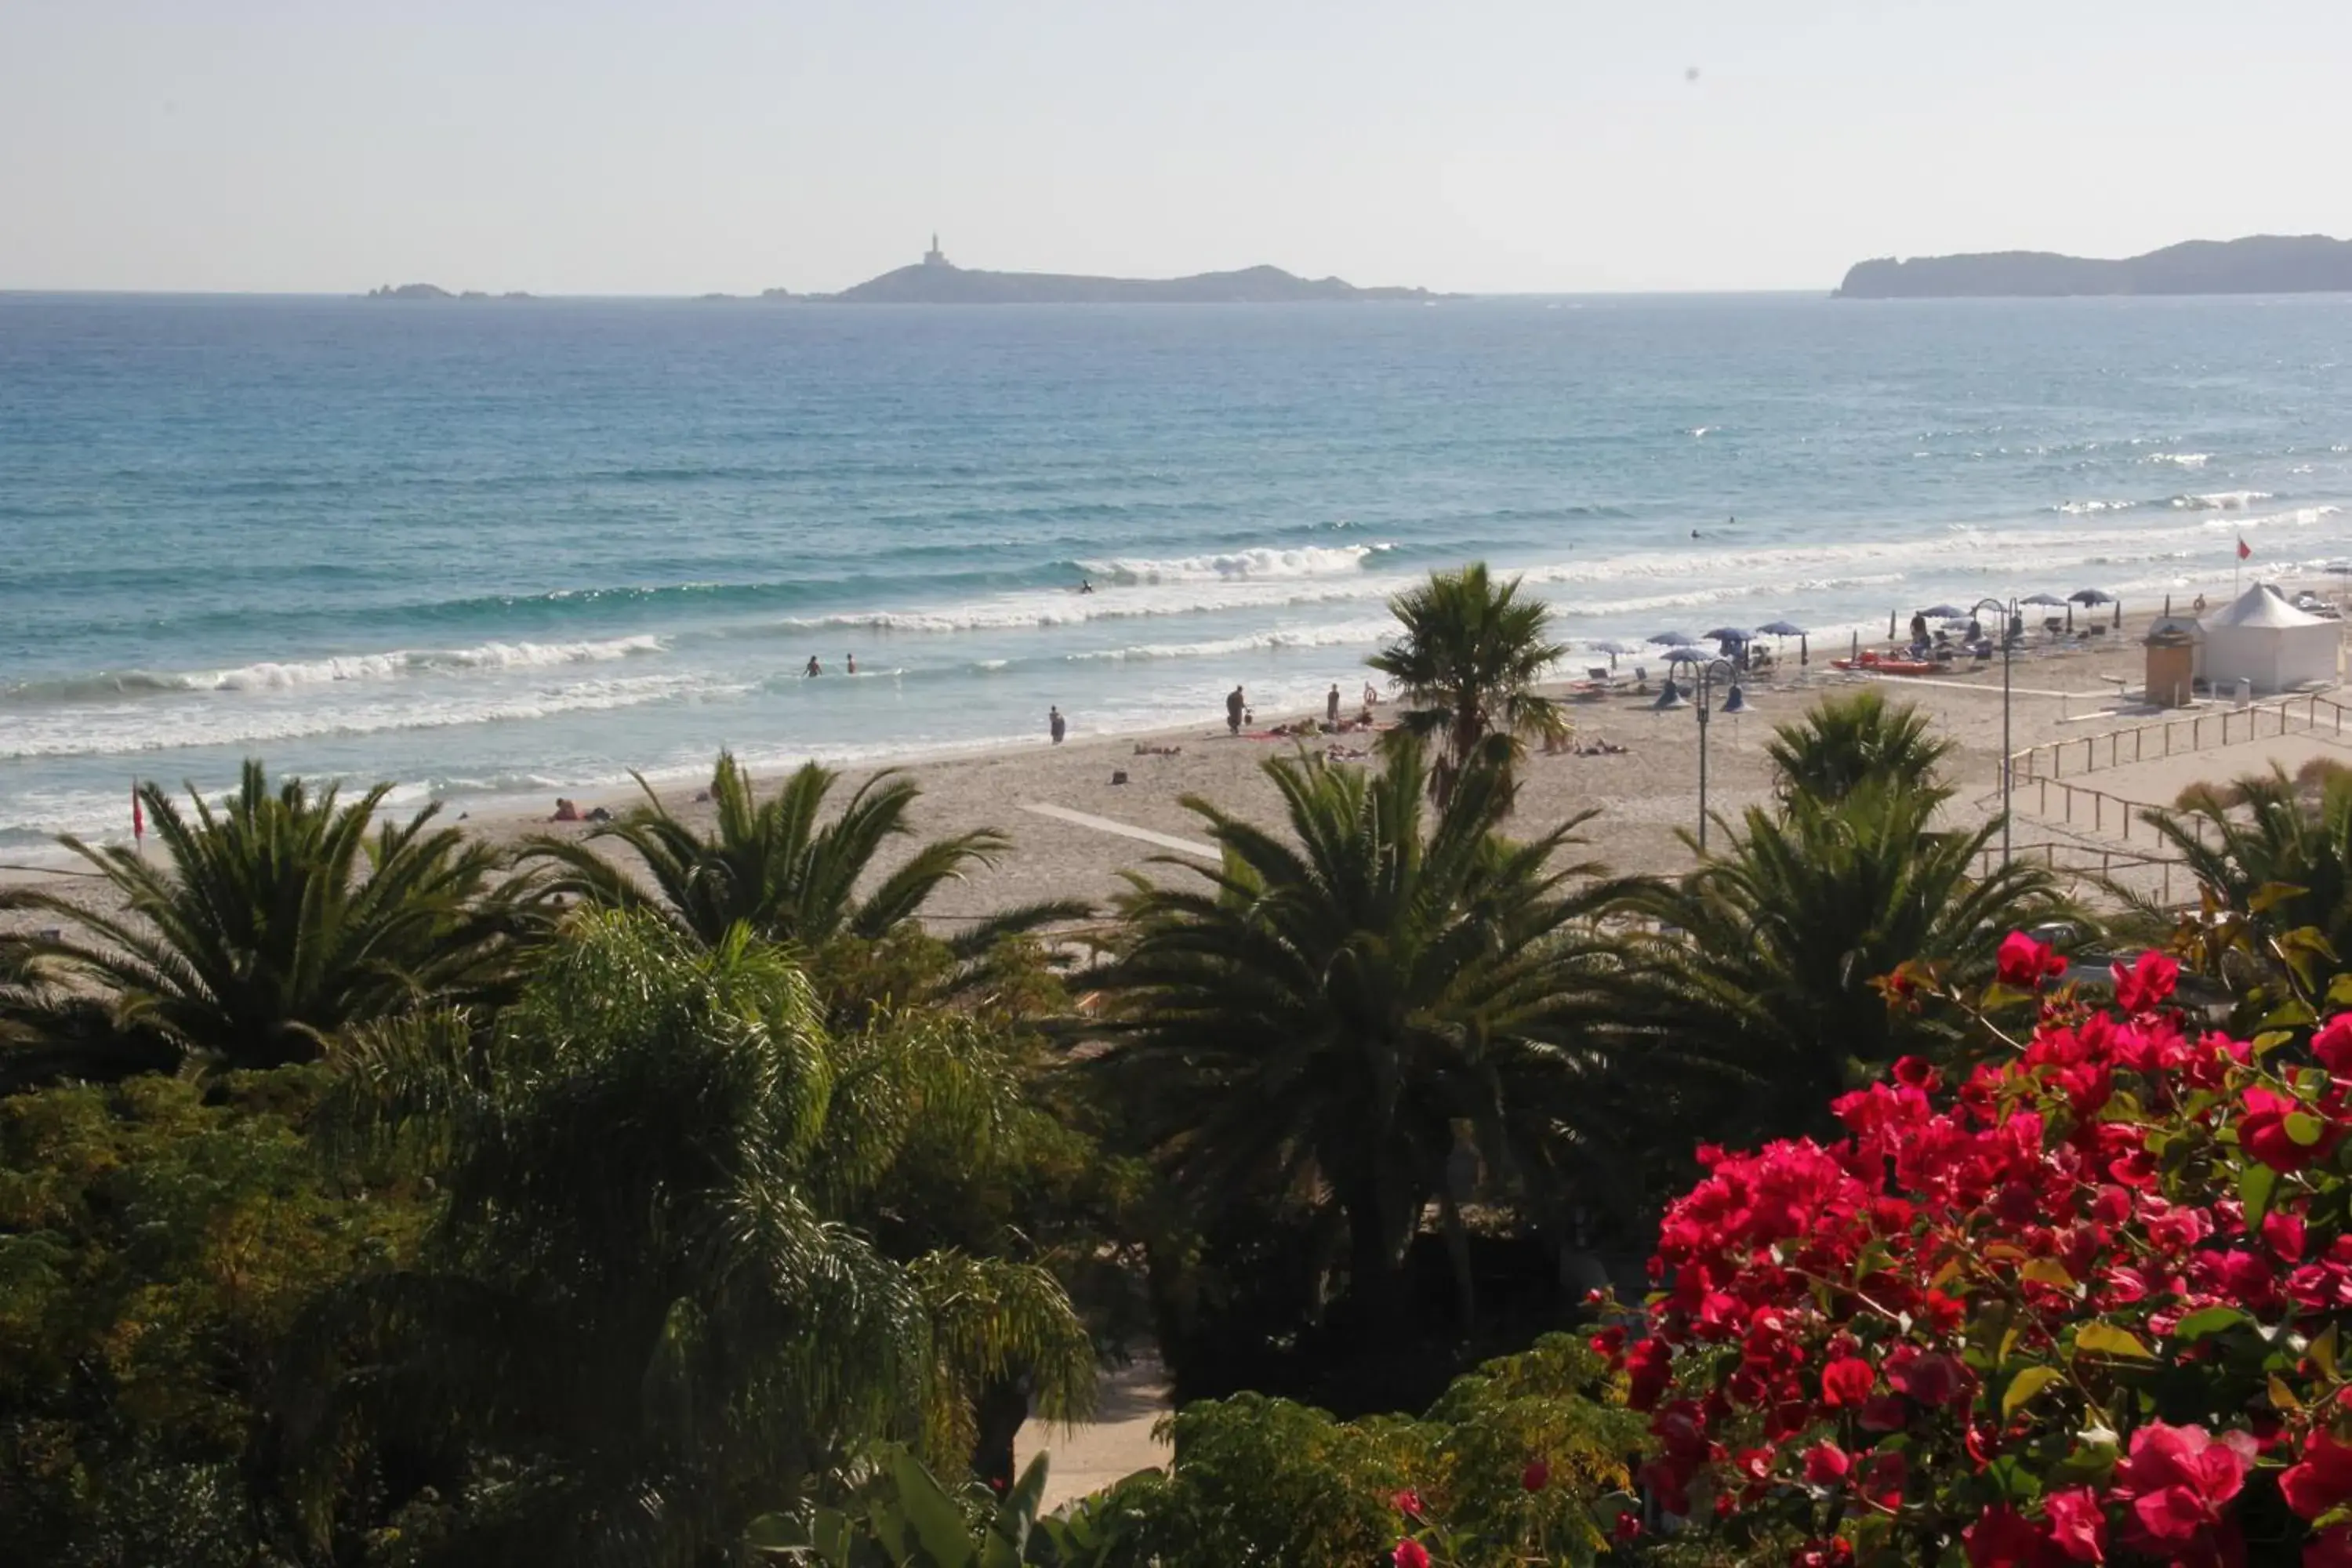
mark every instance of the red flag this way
{"type": "Point", "coordinates": [138, 818]}
{"type": "Point", "coordinates": [2244, 549]}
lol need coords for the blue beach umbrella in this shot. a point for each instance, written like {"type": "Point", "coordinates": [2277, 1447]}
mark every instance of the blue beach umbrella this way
{"type": "Point", "coordinates": [1682, 653]}
{"type": "Point", "coordinates": [1674, 640]}
{"type": "Point", "coordinates": [1781, 629]}
{"type": "Point", "coordinates": [1728, 633]}
{"type": "Point", "coordinates": [1613, 646]}
{"type": "Point", "coordinates": [1943, 612]}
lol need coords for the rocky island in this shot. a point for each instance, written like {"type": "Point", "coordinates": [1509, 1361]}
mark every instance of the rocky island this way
{"type": "Point", "coordinates": [2263, 264]}
{"type": "Point", "coordinates": [936, 280]}
{"type": "Point", "coordinates": [434, 292]}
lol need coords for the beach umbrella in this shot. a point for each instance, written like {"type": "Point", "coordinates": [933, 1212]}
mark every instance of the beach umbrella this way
{"type": "Point", "coordinates": [1781, 629]}
{"type": "Point", "coordinates": [1613, 646]}
{"type": "Point", "coordinates": [1944, 611]}
{"type": "Point", "coordinates": [1683, 653]}
{"type": "Point", "coordinates": [2053, 600]}
{"type": "Point", "coordinates": [2090, 596]}
{"type": "Point", "coordinates": [1728, 633]}
{"type": "Point", "coordinates": [1674, 640]}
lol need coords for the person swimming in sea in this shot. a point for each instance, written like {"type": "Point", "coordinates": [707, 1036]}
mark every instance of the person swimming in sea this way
{"type": "Point", "coordinates": [1086, 584]}
{"type": "Point", "coordinates": [813, 667]}
{"type": "Point", "coordinates": [853, 664]}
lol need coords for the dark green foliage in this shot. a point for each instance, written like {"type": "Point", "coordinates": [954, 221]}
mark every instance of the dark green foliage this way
{"type": "Point", "coordinates": [1339, 1018]}
{"type": "Point", "coordinates": [780, 871]}
{"type": "Point", "coordinates": [1775, 951]}
{"type": "Point", "coordinates": [261, 929]}
{"type": "Point", "coordinates": [157, 1249]}
{"type": "Point", "coordinates": [1844, 743]}
{"type": "Point", "coordinates": [1466, 666]}
{"type": "Point", "coordinates": [903, 1518]}
{"type": "Point", "coordinates": [648, 1294]}
{"type": "Point", "coordinates": [1267, 1481]}
{"type": "Point", "coordinates": [2274, 853]}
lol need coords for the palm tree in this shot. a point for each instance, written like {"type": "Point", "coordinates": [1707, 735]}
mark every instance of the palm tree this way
{"type": "Point", "coordinates": [1467, 663]}
{"type": "Point", "coordinates": [268, 926]}
{"type": "Point", "coordinates": [1334, 1013]}
{"type": "Point", "coordinates": [50, 1033]}
{"type": "Point", "coordinates": [2275, 852]}
{"type": "Point", "coordinates": [1772, 953]}
{"type": "Point", "coordinates": [774, 869]}
{"type": "Point", "coordinates": [647, 1302]}
{"type": "Point", "coordinates": [1847, 742]}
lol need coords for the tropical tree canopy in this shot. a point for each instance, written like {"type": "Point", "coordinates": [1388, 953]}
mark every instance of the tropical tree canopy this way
{"type": "Point", "coordinates": [2273, 852]}
{"type": "Point", "coordinates": [264, 927]}
{"type": "Point", "coordinates": [1467, 664]}
{"type": "Point", "coordinates": [1775, 952]}
{"type": "Point", "coordinates": [780, 871]}
{"type": "Point", "coordinates": [1846, 741]}
{"type": "Point", "coordinates": [1337, 1008]}
{"type": "Point", "coordinates": [643, 1294]}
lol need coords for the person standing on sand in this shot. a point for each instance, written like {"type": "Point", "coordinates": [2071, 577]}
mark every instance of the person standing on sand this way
{"type": "Point", "coordinates": [1234, 703]}
{"type": "Point", "coordinates": [1057, 725]}
{"type": "Point", "coordinates": [1331, 705]}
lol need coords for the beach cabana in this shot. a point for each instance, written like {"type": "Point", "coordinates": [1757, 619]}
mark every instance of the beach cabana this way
{"type": "Point", "coordinates": [2261, 638]}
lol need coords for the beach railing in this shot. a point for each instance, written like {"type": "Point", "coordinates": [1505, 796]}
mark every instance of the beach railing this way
{"type": "Point", "coordinates": [2085, 860]}
{"type": "Point", "coordinates": [2190, 733]}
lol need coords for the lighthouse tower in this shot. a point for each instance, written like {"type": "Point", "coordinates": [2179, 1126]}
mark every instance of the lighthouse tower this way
{"type": "Point", "coordinates": [935, 257]}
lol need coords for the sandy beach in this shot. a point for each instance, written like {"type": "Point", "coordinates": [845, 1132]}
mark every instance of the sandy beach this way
{"type": "Point", "coordinates": [1077, 830]}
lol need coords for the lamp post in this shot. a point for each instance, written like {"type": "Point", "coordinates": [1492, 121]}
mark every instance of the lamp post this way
{"type": "Point", "coordinates": [1734, 701]}
{"type": "Point", "coordinates": [2009, 629]}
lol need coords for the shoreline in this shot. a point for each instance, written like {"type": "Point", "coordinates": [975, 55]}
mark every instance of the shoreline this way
{"type": "Point", "coordinates": [1091, 831]}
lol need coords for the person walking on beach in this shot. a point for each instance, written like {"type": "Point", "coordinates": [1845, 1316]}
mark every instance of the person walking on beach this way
{"type": "Point", "coordinates": [1057, 725]}
{"type": "Point", "coordinates": [813, 667]}
{"type": "Point", "coordinates": [1331, 705]}
{"type": "Point", "coordinates": [1234, 703]}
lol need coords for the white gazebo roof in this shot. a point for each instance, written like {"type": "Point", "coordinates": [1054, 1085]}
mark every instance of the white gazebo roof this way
{"type": "Point", "coordinates": [2265, 606]}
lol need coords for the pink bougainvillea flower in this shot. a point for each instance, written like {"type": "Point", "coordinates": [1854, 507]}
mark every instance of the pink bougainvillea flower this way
{"type": "Point", "coordinates": [2023, 963]}
{"type": "Point", "coordinates": [2176, 1478]}
{"type": "Point", "coordinates": [1536, 1476]}
{"type": "Point", "coordinates": [1846, 1382]}
{"type": "Point", "coordinates": [1410, 1554]}
{"type": "Point", "coordinates": [2263, 1132]}
{"type": "Point", "coordinates": [2078, 1526]}
{"type": "Point", "coordinates": [1408, 1503]}
{"type": "Point", "coordinates": [1826, 1464]}
{"type": "Point", "coordinates": [2333, 1045]}
{"type": "Point", "coordinates": [2330, 1549]}
{"type": "Point", "coordinates": [2322, 1480]}
{"type": "Point", "coordinates": [2146, 984]}
{"type": "Point", "coordinates": [2002, 1538]}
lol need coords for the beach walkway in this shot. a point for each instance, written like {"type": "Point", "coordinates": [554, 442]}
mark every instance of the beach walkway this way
{"type": "Point", "coordinates": [1125, 830]}
{"type": "Point", "coordinates": [1112, 1447]}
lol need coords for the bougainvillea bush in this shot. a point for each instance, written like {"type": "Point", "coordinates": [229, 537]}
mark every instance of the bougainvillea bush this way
{"type": "Point", "coordinates": [2080, 1304]}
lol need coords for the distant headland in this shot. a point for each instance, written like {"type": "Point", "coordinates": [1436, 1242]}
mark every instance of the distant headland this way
{"type": "Point", "coordinates": [2263, 264]}
{"type": "Point", "coordinates": [936, 280]}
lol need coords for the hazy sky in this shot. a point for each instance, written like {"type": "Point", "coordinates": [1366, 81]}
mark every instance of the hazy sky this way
{"type": "Point", "coordinates": [582, 146]}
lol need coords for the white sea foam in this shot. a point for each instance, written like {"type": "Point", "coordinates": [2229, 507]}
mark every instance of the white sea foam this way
{"type": "Point", "coordinates": [1257, 564]}
{"type": "Point", "coordinates": [2092, 507]}
{"type": "Point", "coordinates": [2182, 459]}
{"type": "Point", "coordinates": [271, 675]}
{"type": "Point", "coordinates": [2223, 500]}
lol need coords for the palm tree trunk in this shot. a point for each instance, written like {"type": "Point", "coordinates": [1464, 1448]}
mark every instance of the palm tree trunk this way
{"type": "Point", "coordinates": [1000, 1411]}
{"type": "Point", "coordinates": [1375, 1274]}
{"type": "Point", "coordinates": [1457, 1252]}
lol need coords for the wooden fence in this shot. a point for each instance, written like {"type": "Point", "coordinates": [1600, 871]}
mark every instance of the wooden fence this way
{"type": "Point", "coordinates": [2191, 733]}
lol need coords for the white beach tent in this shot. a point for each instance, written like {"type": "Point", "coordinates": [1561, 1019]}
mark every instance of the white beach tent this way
{"type": "Point", "coordinates": [2261, 637]}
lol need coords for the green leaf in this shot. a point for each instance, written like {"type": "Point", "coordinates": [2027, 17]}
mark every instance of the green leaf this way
{"type": "Point", "coordinates": [2304, 1129]}
{"type": "Point", "coordinates": [2106, 1339]}
{"type": "Point", "coordinates": [2047, 1271]}
{"type": "Point", "coordinates": [2323, 1352]}
{"type": "Point", "coordinates": [2339, 991]}
{"type": "Point", "coordinates": [938, 1524]}
{"type": "Point", "coordinates": [2212, 1321]}
{"type": "Point", "coordinates": [2256, 1183]}
{"type": "Point", "coordinates": [2026, 1384]}
{"type": "Point", "coordinates": [776, 1533]}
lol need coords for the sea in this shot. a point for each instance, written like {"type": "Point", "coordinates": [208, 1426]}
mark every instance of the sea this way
{"type": "Point", "coordinates": [495, 550]}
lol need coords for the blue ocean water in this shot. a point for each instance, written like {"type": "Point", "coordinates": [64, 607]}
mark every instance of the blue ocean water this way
{"type": "Point", "coordinates": [493, 547]}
